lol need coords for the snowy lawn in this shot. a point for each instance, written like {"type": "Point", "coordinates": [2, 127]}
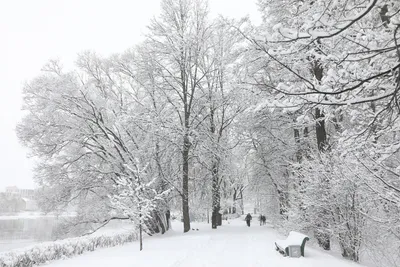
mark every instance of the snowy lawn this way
{"type": "Point", "coordinates": [233, 244]}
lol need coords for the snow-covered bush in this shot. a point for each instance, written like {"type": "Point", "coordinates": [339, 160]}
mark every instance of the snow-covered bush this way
{"type": "Point", "coordinates": [49, 251]}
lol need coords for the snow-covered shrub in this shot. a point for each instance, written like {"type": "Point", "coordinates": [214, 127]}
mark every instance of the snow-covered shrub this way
{"type": "Point", "coordinates": [49, 251]}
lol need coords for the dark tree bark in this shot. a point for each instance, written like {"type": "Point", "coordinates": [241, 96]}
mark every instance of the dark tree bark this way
{"type": "Point", "coordinates": [216, 206]}
{"type": "Point", "coordinates": [323, 238]}
{"type": "Point", "coordinates": [219, 219]}
{"type": "Point", "coordinates": [384, 17]}
{"type": "Point", "coordinates": [320, 130]}
{"type": "Point", "coordinates": [140, 233]}
{"type": "Point", "coordinates": [167, 217]}
{"type": "Point", "coordinates": [158, 222]}
{"type": "Point", "coordinates": [305, 132]}
{"type": "Point", "coordinates": [185, 184]}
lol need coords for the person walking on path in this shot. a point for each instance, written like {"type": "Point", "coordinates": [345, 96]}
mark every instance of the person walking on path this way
{"type": "Point", "coordinates": [262, 219]}
{"type": "Point", "coordinates": [248, 219]}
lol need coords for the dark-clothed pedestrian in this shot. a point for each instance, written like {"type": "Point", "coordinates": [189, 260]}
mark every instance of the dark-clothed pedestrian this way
{"type": "Point", "coordinates": [248, 219]}
{"type": "Point", "coordinates": [263, 219]}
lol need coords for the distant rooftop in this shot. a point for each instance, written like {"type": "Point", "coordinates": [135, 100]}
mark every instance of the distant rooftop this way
{"type": "Point", "coordinates": [14, 190]}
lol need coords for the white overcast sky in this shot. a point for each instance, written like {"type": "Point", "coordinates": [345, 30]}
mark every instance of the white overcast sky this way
{"type": "Point", "coordinates": [34, 31]}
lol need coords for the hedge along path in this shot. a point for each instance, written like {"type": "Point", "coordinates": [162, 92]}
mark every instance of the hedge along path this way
{"type": "Point", "coordinates": [43, 253]}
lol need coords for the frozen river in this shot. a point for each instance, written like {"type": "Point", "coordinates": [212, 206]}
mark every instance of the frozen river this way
{"type": "Point", "coordinates": [26, 229]}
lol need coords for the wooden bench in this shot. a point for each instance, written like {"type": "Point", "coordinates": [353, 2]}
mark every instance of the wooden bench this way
{"type": "Point", "coordinates": [293, 246]}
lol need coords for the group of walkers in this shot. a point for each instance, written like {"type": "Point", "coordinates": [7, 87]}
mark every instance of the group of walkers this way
{"type": "Point", "coordinates": [262, 219]}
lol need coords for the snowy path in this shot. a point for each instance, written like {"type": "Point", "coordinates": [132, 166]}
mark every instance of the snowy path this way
{"type": "Point", "coordinates": [231, 245]}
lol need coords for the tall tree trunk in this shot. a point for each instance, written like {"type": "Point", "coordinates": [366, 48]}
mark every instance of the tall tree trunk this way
{"type": "Point", "coordinates": [167, 218]}
{"type": "Point", "coordinates": [320, 130]}
{"type": "Point", "coordinates": [159, 218]}
{"type": "Point", "coordinates": [185, 184]}
{"type": "Point", "coordinates": [321, 234]}
{"type": "Point", "coordinates": [140, 232]}
{"type": "Point", "coordinates": [216, 206]}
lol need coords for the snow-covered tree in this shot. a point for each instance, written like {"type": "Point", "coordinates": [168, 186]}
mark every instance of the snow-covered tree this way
{"type": "Point", "coordinates": [338, 63]}
{"type": "Point", "coordinates": [176, 43]}
{"type": "Point", "coordinates": [218, 65]}
{"type": "Point", "coordinates": [89, 133]}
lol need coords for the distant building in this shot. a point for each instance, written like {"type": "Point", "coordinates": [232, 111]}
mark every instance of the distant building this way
{"type": "Point", "coordinates": [16, 200]}
{"type": "Point", "coordinates": [15, 191]}
{"type": "Point", "coordinates": [30, 204]}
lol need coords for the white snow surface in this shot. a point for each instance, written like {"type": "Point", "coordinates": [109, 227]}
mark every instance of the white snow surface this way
{"type": "Point", "coordinates": [231, 245]}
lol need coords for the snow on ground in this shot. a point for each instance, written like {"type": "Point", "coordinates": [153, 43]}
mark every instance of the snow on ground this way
{"type": "Point", "coordinates": [232, 245]}
{"type": "Point", "coordinates": [115, 227]}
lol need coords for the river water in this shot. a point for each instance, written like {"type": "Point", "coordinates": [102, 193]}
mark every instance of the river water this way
{"type": "Point", "coordinates": [25, 230]}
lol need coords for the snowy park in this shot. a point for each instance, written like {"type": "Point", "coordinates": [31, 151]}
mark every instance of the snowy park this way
{"type": "Point", "coordinates": [200, 133]}
{"type": "Point", "coordinates": [233, 245]}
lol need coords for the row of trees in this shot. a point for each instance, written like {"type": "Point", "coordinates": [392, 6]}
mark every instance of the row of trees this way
{"type": "Point", "coordinates": [121, 137]}
{"type": "Point", "coordinates": [301, 110]}
{"type": "Point", "coordinates": [330, 75]}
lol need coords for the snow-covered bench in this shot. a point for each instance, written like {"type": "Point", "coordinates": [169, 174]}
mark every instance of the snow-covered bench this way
{"type": "Point", "coordinates": [293, 246]}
